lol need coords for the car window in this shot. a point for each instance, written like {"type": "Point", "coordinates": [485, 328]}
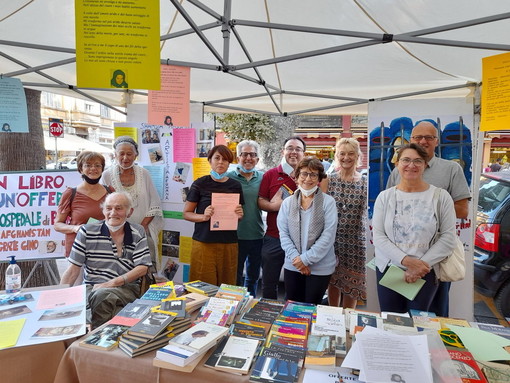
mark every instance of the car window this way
{"type": "Point", "coordinates": [492, 193]}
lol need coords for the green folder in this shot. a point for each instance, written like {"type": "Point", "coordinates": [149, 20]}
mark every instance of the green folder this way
{"type": "Point", "coordinates": [394, 279]}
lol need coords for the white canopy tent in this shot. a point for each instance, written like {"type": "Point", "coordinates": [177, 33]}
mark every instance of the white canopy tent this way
{"type": "Point", "coordinates": [71, 143]}
{"type": "Point", "coordinates": [277, 56]}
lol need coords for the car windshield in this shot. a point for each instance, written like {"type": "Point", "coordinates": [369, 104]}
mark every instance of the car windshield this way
{"type": "Point", "coordinates": [492, 193]}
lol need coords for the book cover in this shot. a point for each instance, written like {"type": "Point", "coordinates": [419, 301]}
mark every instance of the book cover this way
{"type": "Point", "coordinates": [213, 358]}
{"type": "Point", "coordinates": [201, 287]}
{"type": "Point", "coordinates": [462, 365]}
{"type": "Point", "coordinates": [158, 294]}
{"type": "Point", "coordinates": [277, 365]}
{"type": "Point", "coordinates": [173, 306]}
{"type": "Point", "coordinates": [152, 325]}
{"type": "Point", "coordinates": [131, 314]}
{"type": "Point", "coordinates": [202, 336]}
{"type": "Point", "coordinates": [180, 356]}
{"type": "Point", "coordinates": [320, 352]}
{"type": "Point", "coordinates": [105, 338]}
{"type": "Point", "coordinates": [420, 313]}
{"type": "Point", "coordinates": [194, 301]}
{"type": "Point", "coordinates": [237, 355]}
{"type": "Point", "coordinates": [398, 320]}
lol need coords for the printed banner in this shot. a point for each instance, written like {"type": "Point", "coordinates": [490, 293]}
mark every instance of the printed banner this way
{"type": "Point", "coordinates": [117, 44]}
{"type": "Point", "coordinates": [28, 206]}
{"type": "Point", "coordinates": [495, 92]}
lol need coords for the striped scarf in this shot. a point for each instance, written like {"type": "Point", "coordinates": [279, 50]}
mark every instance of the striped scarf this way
{"type": "Point", "coordinates": [316, 224]}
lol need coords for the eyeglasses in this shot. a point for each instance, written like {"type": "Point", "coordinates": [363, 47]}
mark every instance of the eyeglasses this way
{"type": "Point", "coordinates": [427, 138]}
{"type": "Point", "coordinates": [293, 149]}
{"type": "Point", "coordinates": [416, 162]}
{"type": "Point", "coordinates": [90, 166]}
{"type": "Point", "coordinates": [313, 176]}
{"type": "Point", "coordinates": [248, 154]}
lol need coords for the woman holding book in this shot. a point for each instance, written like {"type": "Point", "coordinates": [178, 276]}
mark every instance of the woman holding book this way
{"type": "Point", "coordinates": [409, 234]}
{"type": "Point", "coordinates": [213, 252]}
{"type": "Point", "coordinates": [307, 223]}
{"type": "Point", "coordinates": [349, 189]}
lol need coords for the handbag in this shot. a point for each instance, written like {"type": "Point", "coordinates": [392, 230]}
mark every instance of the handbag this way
{"type": "Point", "coordinates": [453, 267]}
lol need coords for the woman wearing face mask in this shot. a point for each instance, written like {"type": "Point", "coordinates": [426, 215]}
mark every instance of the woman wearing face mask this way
{"type": "Point", "coordinates": [124, 175]}
{"type": "Point", "coordinates": [213, 253]}
{"type": "Point", "coordinates": [78, 205]}
{"type": "Point", "coordinates": [307, 223]}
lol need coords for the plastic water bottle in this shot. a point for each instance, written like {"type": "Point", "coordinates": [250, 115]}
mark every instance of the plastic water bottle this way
{"type": "Point", "coordinates": [12, 277]}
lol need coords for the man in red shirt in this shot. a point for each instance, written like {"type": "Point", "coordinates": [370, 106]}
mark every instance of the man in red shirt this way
{"type": "Point", "coordinates": [277, 184]}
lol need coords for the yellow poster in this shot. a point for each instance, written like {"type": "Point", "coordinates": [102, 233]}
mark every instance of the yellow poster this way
{"type": "Point", "coordinates": [185, 249]}
{"type": "Point", "coordinates": [201, 167]}
{"type": "Point", "coordinates": [119, 131]}
{"type": "Point", "coordinates": [496, 93]}
{"type": "Point", "coordinates": [117, 44]}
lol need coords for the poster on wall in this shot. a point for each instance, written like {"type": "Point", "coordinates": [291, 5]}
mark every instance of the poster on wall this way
{"type": "Point", "coordinates": [170, 105]}
{"type": "Point", "coordinates": [495, 113]}
{"type": "Point", "coordinates": [391, 123]}
{"type": "Point", "coordinates": [117, 44]}
{"type": "Point", "coordinates": [28, 208]}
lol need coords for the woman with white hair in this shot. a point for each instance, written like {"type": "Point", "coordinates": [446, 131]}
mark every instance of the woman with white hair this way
{"type": "Point", "coordinates": [126, 176]}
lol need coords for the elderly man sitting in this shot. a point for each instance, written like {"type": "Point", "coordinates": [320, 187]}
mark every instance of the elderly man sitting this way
{"type": "Point", "coordinates": [115, 255]}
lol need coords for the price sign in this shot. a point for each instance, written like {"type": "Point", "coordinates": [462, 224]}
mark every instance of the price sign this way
{"type": "Point", "coordinates": [56, 127]}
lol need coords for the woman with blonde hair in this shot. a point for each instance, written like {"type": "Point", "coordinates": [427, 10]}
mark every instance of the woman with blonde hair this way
{"type": "Point", "coordinates": [349, 189]}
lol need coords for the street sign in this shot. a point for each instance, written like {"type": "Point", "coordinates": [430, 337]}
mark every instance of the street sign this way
{"type": "Point", "coordinates": [56, 127]}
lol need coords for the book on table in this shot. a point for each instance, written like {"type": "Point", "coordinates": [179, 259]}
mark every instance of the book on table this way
{"type": "Point", "coordinates": [321, 352]}
{"type": "Point", "coordinates": [460, 367]}
{"type": "Point", "coordinates": [218, 311]}
{"type": "Point", "coordinates": [158, 294]}
{"type": "Point", "coordinates": [172, 306]}
{"type": "Point", "coordinates": [237, 355]}
{"type": "Point", "coordinates": [201, 288]}
{"type": "Point", "coordinates": [246, 330]}
{"type": "Point", "coordinates": [194, 301]}
{"type": "Point", "coordinates": [278, 364]}
{"type": "Point", "coordinates": [200, 337]}
{"type": "Point", "coordinates": [135, 348]}
{"type": "Point", "coordinates": [104, 338]}
{"type": "Point", "coordinates": [131, 314]}
{"type": "Point", "coordinates": [331, 321]}
{"type": "Point", "coordinates": [178, 355]}
{"type": "Point", "coordinates": [152, 325]}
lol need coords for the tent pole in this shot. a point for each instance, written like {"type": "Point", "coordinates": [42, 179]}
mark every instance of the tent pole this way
{"type": "Point", "coordinates": [225, 30]}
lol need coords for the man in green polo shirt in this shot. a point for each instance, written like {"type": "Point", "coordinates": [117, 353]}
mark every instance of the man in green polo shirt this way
{"type": "Point", "coordinates": [250, 231]}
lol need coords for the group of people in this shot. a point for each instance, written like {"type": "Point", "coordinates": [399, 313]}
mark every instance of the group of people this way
{"type": "Point", "coordinates": [315, 226]}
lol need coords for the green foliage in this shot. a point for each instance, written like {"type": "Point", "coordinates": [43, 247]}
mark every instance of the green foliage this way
{"type": "Point", "coordinates": [238, 127]}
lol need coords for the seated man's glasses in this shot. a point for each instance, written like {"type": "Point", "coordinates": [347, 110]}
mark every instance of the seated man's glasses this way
{"type": "Point", "coordinates": [417, 161]}
{"type": "Point", "coordinates": [313, 176]}
{"type": "Point", "coordinates": [427, 138]}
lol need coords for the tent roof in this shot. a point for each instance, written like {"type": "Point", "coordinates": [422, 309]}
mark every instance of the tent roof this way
{"type": "Point", "coordinates": [291, 55]}
{"type": "Point", "coordinates": [74, 143]}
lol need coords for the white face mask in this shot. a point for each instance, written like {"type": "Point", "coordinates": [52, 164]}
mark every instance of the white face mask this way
{"type": "Point", "coordinates": [286, 167]}
{"type": "Point", "coordinates": [308, 192]}
{"type": "Point", "coordinates": [114, 228]}
{"type": "Point", "coordinates": [126, 168]}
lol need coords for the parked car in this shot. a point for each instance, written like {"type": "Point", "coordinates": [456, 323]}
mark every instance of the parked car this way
{"type": "Point", "coordinates": [67, 163]}
{"type": "Point", "coordinates": [492, 240]}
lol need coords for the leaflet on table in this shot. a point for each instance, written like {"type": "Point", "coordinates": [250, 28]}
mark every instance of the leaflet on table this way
{"type": "Point", "coordinates": [59, 316]}
{"type": "Point", "coordinates": [10, 331]}
{"type": "Point", "coordinates": [483, 345]}
{"type": "Point", "coordinates": [224, 217]}
{"type": "Point", "coordinates": [383, 356]}
{"type": "Point", "coordinates": [394, 279]}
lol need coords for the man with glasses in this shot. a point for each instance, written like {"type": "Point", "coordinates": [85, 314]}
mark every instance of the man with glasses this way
{"type": "Point", "coordinates": [277, 184]}
{"type": "Point", "coordinates": [446, 175]}
{"type": "Point", "coordinates": [250, 231]}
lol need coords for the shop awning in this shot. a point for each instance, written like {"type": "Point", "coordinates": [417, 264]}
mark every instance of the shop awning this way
{"type": "Point", "coordinates": [74, 144]}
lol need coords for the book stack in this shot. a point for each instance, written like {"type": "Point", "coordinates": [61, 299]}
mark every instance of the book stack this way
{"type": "Point", "coordinates": [262, 313]}
{"type": "Point", "coordinates": [219, 311]}
{"type": "Point", "coordinates": [200, 287]}
{"type": "Point", "coordinates": [104, 338]}
{"type": "Point", "coordinates": [149, 333]}
{"type": "Point", "coordinates": [194, 301]}
{"type": "Point", "coordinates": [132, 313]}
{"type": "Point", "coordinates": [331, 321]}
{"type": "Point", "coordinates": [282, 357]}
{"type": "Point", "coordinates": [190, 345]}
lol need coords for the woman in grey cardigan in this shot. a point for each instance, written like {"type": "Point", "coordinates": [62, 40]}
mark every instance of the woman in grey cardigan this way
{"type": "Point", "coordinates": [307, 223]}
{"type": "Point", "coordinates": [409, 234]}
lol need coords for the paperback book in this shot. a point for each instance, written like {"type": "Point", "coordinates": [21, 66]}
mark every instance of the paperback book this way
{"type": "Point", "coordinates": [201, 288]}
{"type": "Point", "coordinates": [105, 338]}
{"type": "Point", "coordinates": [237, 355]}
{"type": "Point", "coordinates": [200, 337]}
{"type": "Point", "coordinates": [131, 314]}
{"type": "Point", "coordinates": [321, 352]}
{"type": "Point", "coordinates": [152, 325]}
{"type": "Point", "coordinates": [158, 294]}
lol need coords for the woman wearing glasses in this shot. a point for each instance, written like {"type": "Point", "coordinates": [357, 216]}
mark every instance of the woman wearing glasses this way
{"type": "Point", "coordinates": [77, 205]}
{"type": "Point", "coordinates": [349, 189]}
{"type": "Point", "coordinates": [407, 232]}
{"type": "Point", "coordinates": [307, 223]}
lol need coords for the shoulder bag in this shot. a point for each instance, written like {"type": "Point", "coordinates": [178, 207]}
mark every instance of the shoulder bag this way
{"type": "Point", "coordinates": [453, 267]}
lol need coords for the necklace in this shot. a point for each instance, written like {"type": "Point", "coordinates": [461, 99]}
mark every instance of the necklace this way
{"type": "Point", "coordinates": [127, 175]}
